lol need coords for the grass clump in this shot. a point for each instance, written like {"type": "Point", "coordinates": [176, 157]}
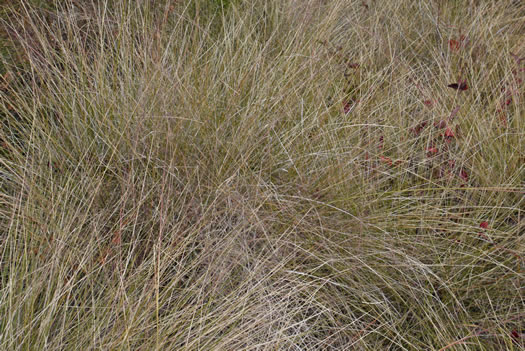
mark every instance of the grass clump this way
{"type": "Point", "coordinates": [234, 175]}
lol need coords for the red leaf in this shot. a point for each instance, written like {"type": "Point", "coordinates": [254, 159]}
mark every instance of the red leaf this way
{"type": "Point", "coordinates": [431, 151]}
{"type": "Point", "coordinates": [449, 133]}
{"type": "Point", "coordinates": [464, 175]}
{"type": "Point", "coordinates": [347, 107]}
{"type": "Point", "coordinates": [428, 103]}
{"type": "Point", "coordinates": [484, 225]}
{"type": "Point", "coordinates": [515, 335]}
{"type": "Point", "coordinates": [459, 86]}
{"type": "Point", "coordinates": [386, 160]}
{"type": "Point", "coordinates": [417, 129]}
{"type": "Point", "coordinates": [454, 45]}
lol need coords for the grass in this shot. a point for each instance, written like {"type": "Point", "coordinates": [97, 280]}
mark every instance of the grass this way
{"type": "Point", "coordinates": [270, 175]}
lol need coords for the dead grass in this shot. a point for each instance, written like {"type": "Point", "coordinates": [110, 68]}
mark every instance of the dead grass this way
{"type": "Point", "coordinates": [263, 175]}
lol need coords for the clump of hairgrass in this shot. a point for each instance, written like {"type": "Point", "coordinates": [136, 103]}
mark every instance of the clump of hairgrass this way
{"type": "Point", "coordinates": [267, 175]}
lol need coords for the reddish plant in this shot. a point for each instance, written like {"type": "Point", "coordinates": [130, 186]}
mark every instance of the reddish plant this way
{"type": "Point", "coordinates": [449, 133]}
{"type": "Point", "coordinates": [459, 86]}
{"type": "Point", "coordinates": [347, 107]}
{"type": "Point", "coordinates": [386, 160]}
{"type": "Point", "coordinates": [454, 45]}
{"type": "Point", "coordinates": [419, 128]}
{"type": "Point", "coordinates": [516, 336]}
{"type": "Point", "coordinates": [431, 151]}
{"type": "Point", "coordinates": [464, 175]}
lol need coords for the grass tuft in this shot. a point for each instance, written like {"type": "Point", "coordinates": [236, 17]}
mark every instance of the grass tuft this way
{"type": "Point", "coordinates": [274, 175]}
